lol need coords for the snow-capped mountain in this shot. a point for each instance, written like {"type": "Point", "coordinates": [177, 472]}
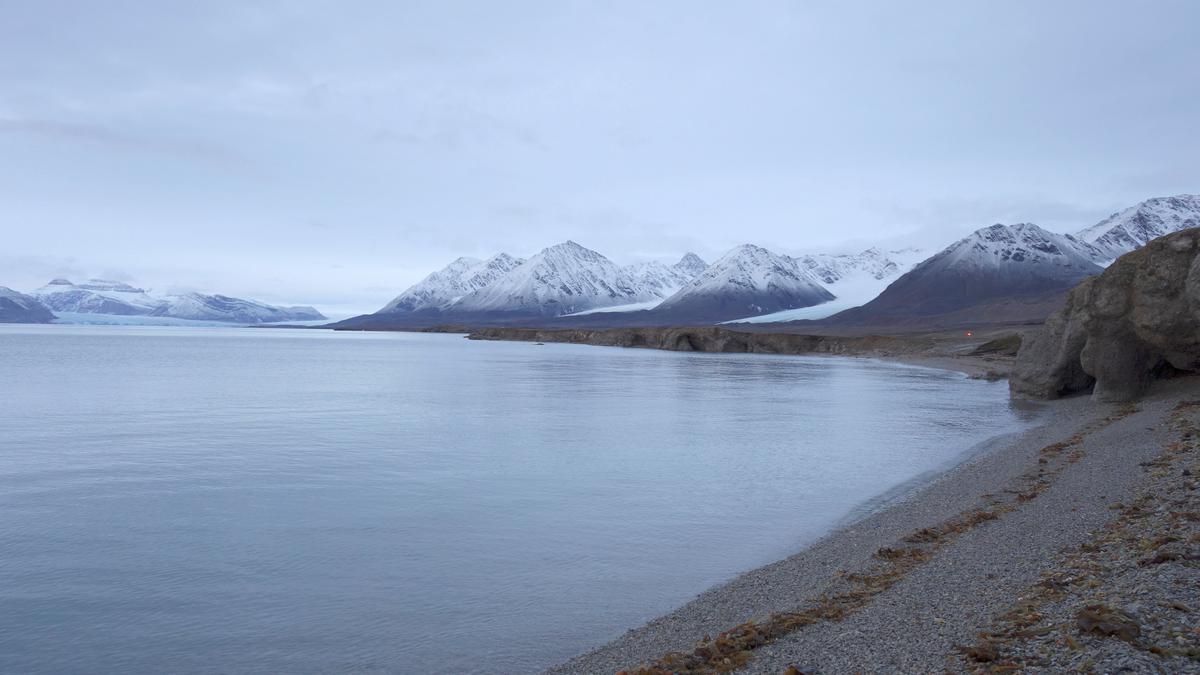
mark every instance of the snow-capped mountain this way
{"type": "Point", "coordinates": [113, 298]}
{"type": "Point", "coordinates": [666, 279]}
{"type": "Point", "coordinates": [200, 307]}
{"type": "Point", "coordinates": [1022, 246]}
{"type": "Point", "coordinates": [97, 296]}
{"type": "Point", "coordinates": [559, 280]}
{"type": "Point", "coordinates": [449, 284]}
{"type": "Point", "coordinates": [20, 308]}
{"type": "Point", "coordinates": [1130, 229]}
{"type": "Point", "coordinates": [854, 279]}
{"type": "Point", "coordinates": [746, 281]}
{"type": "Point", "coordinates": [1001, 262]}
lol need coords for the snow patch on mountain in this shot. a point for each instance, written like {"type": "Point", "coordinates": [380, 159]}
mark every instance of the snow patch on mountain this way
{"type": "Point", "coordinates": [1132, 228]}
{"type": "Point", "coordinates": [631, 307]}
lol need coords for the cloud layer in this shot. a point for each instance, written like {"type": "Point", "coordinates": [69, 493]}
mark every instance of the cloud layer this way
{"type": "Point", "coordinates": [327, 153]}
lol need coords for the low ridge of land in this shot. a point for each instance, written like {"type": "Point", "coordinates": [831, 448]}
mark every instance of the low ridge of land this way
{"type": "Point", "coordinates": [988, 353]}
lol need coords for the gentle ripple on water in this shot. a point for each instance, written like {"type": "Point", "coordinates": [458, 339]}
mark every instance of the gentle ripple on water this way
{"type": "Point", "coordinates": [236, 500]}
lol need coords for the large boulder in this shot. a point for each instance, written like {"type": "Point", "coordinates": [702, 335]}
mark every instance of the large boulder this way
{"type": "Point", "coordinates": [1119, 330]}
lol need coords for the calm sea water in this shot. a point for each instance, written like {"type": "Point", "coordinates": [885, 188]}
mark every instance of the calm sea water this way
{"type": "Point", "coordinates": [239, 500]}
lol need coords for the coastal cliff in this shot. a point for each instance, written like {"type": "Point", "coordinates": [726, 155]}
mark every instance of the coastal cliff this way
{"type": "Point", "coordinates": [1138, 321]}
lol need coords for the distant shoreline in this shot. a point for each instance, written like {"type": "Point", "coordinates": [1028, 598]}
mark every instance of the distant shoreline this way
{"type": "Point", "coordinates": [947, 351]}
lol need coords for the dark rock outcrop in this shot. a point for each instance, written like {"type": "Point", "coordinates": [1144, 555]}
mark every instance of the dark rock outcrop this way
{"type": "Point", "coordinates": [1137, 320]}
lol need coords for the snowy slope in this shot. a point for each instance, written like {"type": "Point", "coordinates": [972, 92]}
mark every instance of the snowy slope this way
{"type": "Point", "coordinates": [201, 307]}
{"type": "Point", "coordinates": [559, 280]}
{"type": "Point", "coordinates": [97, 296]}
{"type": "Point", "coordinates": [746, 281]}
{"type": "Point", "coordinates": [854, 279]}
{"type": "Point", "coordinates": [997, 262]}
{"type": "Point", "coordinates": [831, 269]}
{"type": "Point", "coordinates": [20, 308]}
{"type": "Point", "coordinates": [1130, 229]}
{"type": "Point", "coordinates": [447, 285]}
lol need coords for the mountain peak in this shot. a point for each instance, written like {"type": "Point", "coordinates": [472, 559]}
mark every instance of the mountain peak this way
{"type": "Point", "coordinates": [1133, 227]}
{"type": "Point", "coordinates": [690, 265]}
{"type": "Point", "coordinates": [749, 249]}
{"type": "Point", "coordinates": [997, 262]}
{"type": "Point", "coordinates": [998, 244]}
{"type": "Point", "coordinates": [568, 246]}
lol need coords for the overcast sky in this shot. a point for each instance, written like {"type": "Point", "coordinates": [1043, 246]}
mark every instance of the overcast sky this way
{"type": "Point", "coordinates": [332, 153]}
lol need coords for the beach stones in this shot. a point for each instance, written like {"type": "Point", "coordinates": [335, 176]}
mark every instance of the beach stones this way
{"type": "Point", "coordinates": [1138, 320]}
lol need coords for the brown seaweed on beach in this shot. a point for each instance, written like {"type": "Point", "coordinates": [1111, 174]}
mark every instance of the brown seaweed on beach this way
{"type": "Point", "coordinates": [733, 648]}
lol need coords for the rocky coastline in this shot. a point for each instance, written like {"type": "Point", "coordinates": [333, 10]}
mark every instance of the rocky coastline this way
{"type": "Point", "coordinates": [1074, 546]}
{"type": "Point", "coordinates": [1069, 547]}
{"type": "Point", "coordinates": [986, 355]}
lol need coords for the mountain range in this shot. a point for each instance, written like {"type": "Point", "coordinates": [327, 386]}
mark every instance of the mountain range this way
{"type": "Point", "coordinates": [563, 280]}
{"type": "Point", "coordinates": [570, 284]}
{"type": "Point", "coordinates": [746, 281]}
{"type": "Point", "coordinates": [1016, 273]}
{"type": "Point", "coordinates": [998, 273]}
{"type": "Point", "coordinates": [96, 298]}
{"type": "Point", "coordinates": [1134, 227]}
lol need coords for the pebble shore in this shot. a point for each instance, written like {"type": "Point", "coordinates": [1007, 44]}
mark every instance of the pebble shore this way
{"type": "Point", "coordinates": [1069, 547]}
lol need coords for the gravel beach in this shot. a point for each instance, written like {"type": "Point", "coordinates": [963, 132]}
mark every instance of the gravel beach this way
{"type": "Point", "coordinates": [953, 575]}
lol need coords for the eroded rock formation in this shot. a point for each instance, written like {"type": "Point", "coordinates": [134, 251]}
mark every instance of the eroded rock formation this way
{"type": "Point", "coordinates": [1121, 329]}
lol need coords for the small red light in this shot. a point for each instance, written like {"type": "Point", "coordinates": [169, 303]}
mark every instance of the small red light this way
{"type": "Point", "coordinates": [968, 333]}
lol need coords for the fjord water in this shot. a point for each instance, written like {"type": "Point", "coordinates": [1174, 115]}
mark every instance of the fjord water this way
{"type": "Point", "coordinates": [252, 500]}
